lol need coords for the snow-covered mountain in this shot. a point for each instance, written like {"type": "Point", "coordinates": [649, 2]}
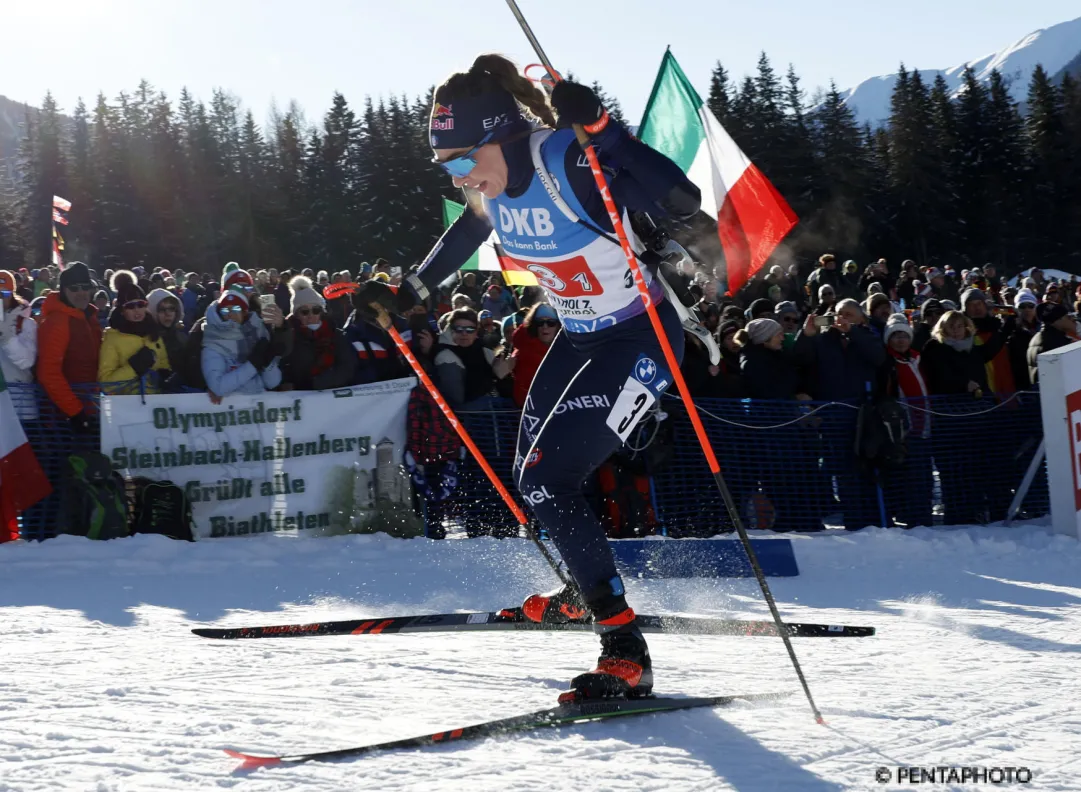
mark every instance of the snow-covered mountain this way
{"type": "Point", "coordinates": [1054, 47]}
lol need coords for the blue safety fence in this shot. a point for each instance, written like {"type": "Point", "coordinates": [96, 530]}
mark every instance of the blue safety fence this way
{"type": "Point", "coordinates": [789, 465]}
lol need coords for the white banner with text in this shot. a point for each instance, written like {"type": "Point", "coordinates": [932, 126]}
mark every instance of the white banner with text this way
{"type": "Point", "coordinates": [322, 461]}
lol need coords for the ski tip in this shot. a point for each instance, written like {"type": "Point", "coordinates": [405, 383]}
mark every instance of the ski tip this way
{"type": "Point", "coordinates": [253, 761]}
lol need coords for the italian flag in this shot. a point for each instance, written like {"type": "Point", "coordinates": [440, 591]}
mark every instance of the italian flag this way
{"type": "Point", "coordinates": [752, 217]}
{"type": "Point", "coordinates": [22, 481]}
{"type": "Point", "coordinates": [489, 256]}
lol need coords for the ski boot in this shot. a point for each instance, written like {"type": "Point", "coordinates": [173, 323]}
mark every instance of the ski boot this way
{"type": "Point", "coordinates": [562, 606]}
{"type": "Point", "coordinates": [624, 669]}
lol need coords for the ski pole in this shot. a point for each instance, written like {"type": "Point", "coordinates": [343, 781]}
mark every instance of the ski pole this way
{"type": "Point", "coordinates": [384, 320]}
{"type": "Point", "coordinates": [673, 364]}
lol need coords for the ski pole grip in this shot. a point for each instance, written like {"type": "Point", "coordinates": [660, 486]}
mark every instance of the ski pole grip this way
{"type": "Point", "coordinates": [382, 317]}
{"type": "Point", "coordinates": [583, 137]}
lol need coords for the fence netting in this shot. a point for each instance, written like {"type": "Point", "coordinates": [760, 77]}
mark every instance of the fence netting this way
{"type": "Point", "coordinates": [791, 466]}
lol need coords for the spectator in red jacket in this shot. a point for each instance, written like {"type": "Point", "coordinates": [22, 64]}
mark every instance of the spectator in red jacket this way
{"type": "Point", "coordinates": [69, 344]}
{"type": "Point", "coordinates": [531, 341]}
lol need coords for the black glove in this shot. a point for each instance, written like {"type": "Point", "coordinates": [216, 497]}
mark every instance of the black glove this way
{"type": "Point", "coordinates": [142, 361]}
{"type": "Point", "coordinates": [261, 354]}
{"type": "Point", "coordinates": [1009, 324]}
{"type": "Point", "coordinates": [577, 104]}
{"type": "Point", "coordinates": [376, 293]}
{"type": "Point", "coordinates": [83, 423]}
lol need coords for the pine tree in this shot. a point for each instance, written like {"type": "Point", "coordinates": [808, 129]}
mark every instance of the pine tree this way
{"type": "Point", "coordinates": [1049, 191]}
{"type": "Point", "coordinates": [970, 167]}
{"type": "Point", "coordinates": [1005, 170]}
{"type": "Point", "coordinates": [838, 193]}
{"type": "Point", "coordinates": [44, 174]}
{"type": "Point", "coordinates": [720, 95]}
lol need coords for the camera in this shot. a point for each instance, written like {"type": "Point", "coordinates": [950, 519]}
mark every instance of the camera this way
{"type": "Point", "coordinates": [822, 322]}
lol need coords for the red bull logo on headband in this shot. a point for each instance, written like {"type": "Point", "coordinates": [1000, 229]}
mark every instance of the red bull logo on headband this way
{"type": "Point", "coordinates": [442, 117]}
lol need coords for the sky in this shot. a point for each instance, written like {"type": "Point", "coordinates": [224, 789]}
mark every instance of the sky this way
{"type": "Point", "coordinates": [265, 51]}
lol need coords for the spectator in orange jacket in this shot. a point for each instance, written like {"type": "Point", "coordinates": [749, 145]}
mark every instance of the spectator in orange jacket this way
{"type": "Point", "coordinates": [69, 344]}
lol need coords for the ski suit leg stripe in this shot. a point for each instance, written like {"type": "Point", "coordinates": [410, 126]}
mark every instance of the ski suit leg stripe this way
{"type": "Point", "coordinates": [562, 396]}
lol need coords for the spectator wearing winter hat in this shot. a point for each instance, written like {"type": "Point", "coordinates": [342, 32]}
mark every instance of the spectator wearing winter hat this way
{"type": "Point", "coordinates": [908, 492]}
{"type": "Point", "coordinates": [1028, 325]}
{"type": "Point", "coordinates": [941, 287]}
{"type": "Point", "coordinates": [879, 273]}
{"type": "Point", "coordinates": [825, 274]}
{"type": "Point", "coordinates": [1058, 330]}
{"type": "Point", "coordinates": [18, 345]}
{"type": "Point", "coordinates": [496, 302]}
{"type": "Point", "coordinates": [132, 346]}
{"type": "Point", "coordinates": [788, 314]}
{"type": "Point", "coordinates": [770, 372]}
{"type": "Point", "coordinates": [168, 311]}
{"type": "Point", "coordinates": [236, 354]}
{"type": "Point", "coordinates": [531, 342]}
{"type": "Point", "coordinates": [24, 288]}
{"type": "Point", "coordinates": [906, 292]}
{"type": "Point", "coordinates": [69, 345]}
{"type": "Point", "coordinates": [878, 309]}
{"type": "Point", "coordinates": [760, 309]}
{"type": "Point", "coordinates": [991, 331]}
{"type": "Point", "coordinates": [489, 331]}
{"type": "Point", "coordinates": [321, 358]}
{"type": "Point", "coordinates": [189, 298]}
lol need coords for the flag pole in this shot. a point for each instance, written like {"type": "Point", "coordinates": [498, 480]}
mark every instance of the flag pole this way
{"type": "Point", "coordinates": [673, 366]}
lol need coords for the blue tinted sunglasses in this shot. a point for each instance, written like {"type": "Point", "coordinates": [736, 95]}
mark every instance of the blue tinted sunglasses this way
{"type": "Point", "coordinates": [461, 166]}
{"type": "Point", "coordinates": [225, 310]}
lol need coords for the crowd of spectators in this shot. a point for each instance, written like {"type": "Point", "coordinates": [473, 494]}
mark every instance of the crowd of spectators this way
{"type": "Point", "coordinates": [838, 332]}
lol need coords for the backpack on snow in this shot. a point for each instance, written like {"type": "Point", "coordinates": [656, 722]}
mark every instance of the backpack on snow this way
{"type": "Point", "coordinates": [161, 507]}
{"type": "Point", "coordinates": [881, 434]}
{"type": "Point", "coordinates": [92, 501]}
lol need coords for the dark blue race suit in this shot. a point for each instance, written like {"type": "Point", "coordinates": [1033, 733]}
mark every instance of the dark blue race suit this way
{"type": "Point", "coordinates": [605, 369]}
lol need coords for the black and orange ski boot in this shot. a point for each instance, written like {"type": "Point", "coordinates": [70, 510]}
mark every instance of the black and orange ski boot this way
{"type": "Point", "coordinates": [562, 606]}
{"type": "Point", "coordinates": [624, 669]}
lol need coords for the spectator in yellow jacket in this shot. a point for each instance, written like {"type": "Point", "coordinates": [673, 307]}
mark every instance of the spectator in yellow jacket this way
{"type": "Point", "coordinates": [132, 346]}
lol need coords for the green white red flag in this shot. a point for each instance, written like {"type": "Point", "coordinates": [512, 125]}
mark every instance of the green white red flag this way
{"type": "Point", "coordinates": [752, 217]}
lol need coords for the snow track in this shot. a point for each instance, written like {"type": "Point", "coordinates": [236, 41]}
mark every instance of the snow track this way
{"type": "Point", "coordinates": [103, 688]}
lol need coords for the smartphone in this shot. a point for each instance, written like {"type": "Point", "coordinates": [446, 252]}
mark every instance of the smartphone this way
{"type": "Point", "coordinates": [822, 322]}
{"type": "Point", "coordinates": [267, 300]}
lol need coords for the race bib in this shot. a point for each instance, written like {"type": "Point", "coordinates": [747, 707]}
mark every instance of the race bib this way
{"type": "Point", "coordinates": [641, 390]}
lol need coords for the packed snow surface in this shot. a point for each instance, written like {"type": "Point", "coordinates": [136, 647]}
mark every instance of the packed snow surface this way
{"type": "Point", "coordinates": [976, 663]}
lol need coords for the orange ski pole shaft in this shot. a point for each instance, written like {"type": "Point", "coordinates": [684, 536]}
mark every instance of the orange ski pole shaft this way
{"type": "Point", "coordinates": [386, 323]}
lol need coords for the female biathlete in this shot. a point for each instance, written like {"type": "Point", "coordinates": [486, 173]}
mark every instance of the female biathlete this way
{"type": "Point", "coordinates": [605, 369]}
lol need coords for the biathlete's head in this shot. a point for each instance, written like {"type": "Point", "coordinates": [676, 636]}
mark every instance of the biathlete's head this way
{"type": "Point", "coordinates": [475, 112]}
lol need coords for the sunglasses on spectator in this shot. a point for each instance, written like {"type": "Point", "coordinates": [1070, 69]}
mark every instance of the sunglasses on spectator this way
{"type": "Point", "coordinates": [230, 309]}
{"type": "Point", "coordinates": [547, 323]}
{"type": "Point", "coordinates": [1022, 306]}
{"type": "Point", "coordinates": [314, 311]}
{"type": "Point", "coordinates": [465, 329]}
{"type": "Point", "coordinates": [790, 319]}
{"type": "Point", "coordinates": [80, 287]}
{"type": "Point", "coordinates": [462, 165]}
{"type": "Point", "coordinates": [134, 305]}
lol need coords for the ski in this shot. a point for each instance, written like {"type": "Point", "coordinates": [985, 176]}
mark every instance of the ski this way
{"type": "Point", "coordinates": [512, 619]}
{"type": "Point", "coordinates": [562, 715]}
